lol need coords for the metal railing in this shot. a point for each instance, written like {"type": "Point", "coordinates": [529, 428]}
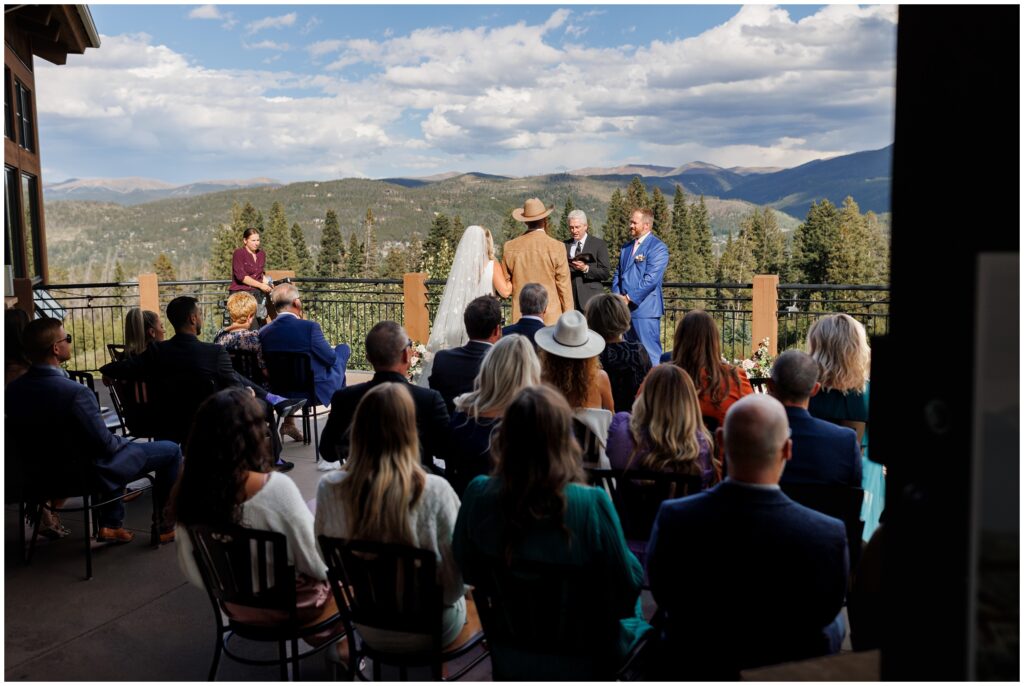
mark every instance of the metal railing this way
{"type": "Point", "coordinates": [346, 309]}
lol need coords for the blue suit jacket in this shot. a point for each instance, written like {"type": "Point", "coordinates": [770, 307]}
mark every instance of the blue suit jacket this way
{"type": "Point", "coordinates": [640, 277]}
{"type": "Point", "coordinates": [823, 453]}
{"type": "Point", "coordinates": [747, 577]}
{"type": "Point", "coordinates": [524, 327]}
{"type": "Point", "coordinates": [44, 396]}
{"type": "Point", "coordinates": [288, 333]}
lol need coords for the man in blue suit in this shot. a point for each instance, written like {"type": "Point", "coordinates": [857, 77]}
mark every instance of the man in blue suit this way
{"type": "Point", "coordinates": [45, 400]}
{"type": "Point", "coordinates": [533, 302]}
{"type": "Point", "coordinates": [642, 264]}
{"type": "Point", "coordinates": [746, 576]}
{"type": "Point", "coordinates": [289, 332]}
{"type": "Point", "coordinates": [823, 452]}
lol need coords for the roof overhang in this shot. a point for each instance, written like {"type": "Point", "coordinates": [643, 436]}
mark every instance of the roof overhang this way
{"type": "Point", "coordinates": [55, 31]}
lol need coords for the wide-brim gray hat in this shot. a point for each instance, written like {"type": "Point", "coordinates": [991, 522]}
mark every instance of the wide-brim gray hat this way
{"type": "Point", "coordinates": [570, 337]}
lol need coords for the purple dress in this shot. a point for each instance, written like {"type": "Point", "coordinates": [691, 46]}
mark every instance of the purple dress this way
{"type": "Point", "coordinates": [620, 448]}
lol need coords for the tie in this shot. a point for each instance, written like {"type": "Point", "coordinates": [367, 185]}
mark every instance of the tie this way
{"type": "Point", "coordinates": [577, 249]}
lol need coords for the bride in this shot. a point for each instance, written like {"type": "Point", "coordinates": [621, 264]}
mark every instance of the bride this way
{"type": "Point", "coordinates": [474, 272]}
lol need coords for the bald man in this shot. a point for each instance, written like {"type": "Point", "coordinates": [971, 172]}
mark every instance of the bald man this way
{"type": "Point", "coordinates": [746, 576]}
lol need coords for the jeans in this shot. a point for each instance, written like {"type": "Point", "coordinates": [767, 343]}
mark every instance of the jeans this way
{"type": "Point", "coordinates": [162, 457]}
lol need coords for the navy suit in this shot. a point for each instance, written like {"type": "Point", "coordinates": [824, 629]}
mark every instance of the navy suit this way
{"type": "Point", "coordinates": [45, 400]}
{"type": "Point", "coordinates": [524, 327]}
{"type": "Point", "coordinates": [746, 577]}
{"type": "Point", "coordinates": [823, 453]}
{"type": "Point", "coordinates": [431, 418]}
{"type": "Point", "coordinates": [288, 333]}
{"type": "Point", "coordinates": [639, 276]}
{"type": "Point", "coordinates": [455, 369]}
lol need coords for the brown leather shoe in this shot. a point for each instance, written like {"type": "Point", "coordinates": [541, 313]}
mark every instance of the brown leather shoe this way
{"type": "Point", "coordinates": [118, 535]}
{"type": "Point", "coordinates": [167, 536]}
{"type": "Point", "coordinates": [289, 429]}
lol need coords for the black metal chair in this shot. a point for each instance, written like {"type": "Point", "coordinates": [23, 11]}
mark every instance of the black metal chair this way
{"type": "Point", "coordinates": [546, 622]}
{"type": "Point", "coordinates": [291, 375]}
{"type": "Point", "coordinates": [58, 470]}
{"type": "Point", "coordinates": [173, 403]}
{"type": "Point", "coordinates": [842, 502]}
{"type": "Point", "coordinates": [114, 422]}
{"type": "Point", "coordinates": [249, 567]}
{"type": "Point", "coordinates": [116, 351]}
{"type": "Point", "coordinates": [391, 587]}
{"type": "Point", "coordinates": [246, 363]}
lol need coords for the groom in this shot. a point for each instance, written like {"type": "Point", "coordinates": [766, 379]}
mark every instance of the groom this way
{"type": "Point", "coordinates": [638, 278]}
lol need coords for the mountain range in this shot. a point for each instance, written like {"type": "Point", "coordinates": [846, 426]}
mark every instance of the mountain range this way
{"type": "Point", "coordinates": [135, 190]}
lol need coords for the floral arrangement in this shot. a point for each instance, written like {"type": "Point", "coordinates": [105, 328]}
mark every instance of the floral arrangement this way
{"type": "Point", "coordinates": [758, 365]}
{"type": "Point", "coordinates": [419, 353]}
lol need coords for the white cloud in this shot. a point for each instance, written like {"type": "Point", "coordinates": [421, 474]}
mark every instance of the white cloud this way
{"type": "Point", "coordinates": [272, 22]}
{"type": "Point", "coordinates": [267, 45]}
{"type": "Point", "coordinates": [324, 47]}
{"type": "Point", "coordinates": [212, 12]}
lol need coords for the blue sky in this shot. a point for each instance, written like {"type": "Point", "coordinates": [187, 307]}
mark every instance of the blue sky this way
{"type": "Point", "coordinates": [293, 92]}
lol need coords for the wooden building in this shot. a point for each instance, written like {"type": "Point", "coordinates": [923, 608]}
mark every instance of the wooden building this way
{"type": "Point", "coordinates": [49, 32]}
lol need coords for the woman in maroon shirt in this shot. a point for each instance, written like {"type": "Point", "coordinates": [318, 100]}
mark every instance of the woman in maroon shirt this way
{"type": "Point", "coordinates": [247, 264]}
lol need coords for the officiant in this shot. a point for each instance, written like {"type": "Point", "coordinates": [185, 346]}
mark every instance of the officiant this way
{"type": "Point", "coordinates": [589, 264]}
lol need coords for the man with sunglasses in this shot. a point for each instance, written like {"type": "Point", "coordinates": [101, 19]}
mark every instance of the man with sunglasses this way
{"type": "Point", "coordinates": [53, 413]}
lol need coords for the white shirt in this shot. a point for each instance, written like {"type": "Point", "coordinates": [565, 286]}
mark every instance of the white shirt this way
{"type": "Point", "coordinates": [581, 243]}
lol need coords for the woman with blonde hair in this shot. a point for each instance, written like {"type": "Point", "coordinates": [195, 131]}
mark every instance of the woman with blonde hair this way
{"type": "Point", "coordinates": [383, 494]}
{"type": "Point", "coordinates": [839, 344]}
{"type": "Point", "coordinates": [697, 350]}
{"type": "Point", "coordinates": [141, 327]}
{"type": "Point", "coordinates": [508, 367]}
{"type": "Point", "coordinates": [665, 432]}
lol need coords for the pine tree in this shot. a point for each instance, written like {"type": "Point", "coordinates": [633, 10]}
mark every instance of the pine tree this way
{"type": "Point", "coordinates": [303, 261]}
{"type": "Point", "coordinates": [636, 196]}
{"type": "Point", "coordinates": [616, 226]}
{"type": "Point", "coordinates": [225, 241]}
{"type": "Point", "coordinates": [561, 232]}
{"type": "Point", "coordinates": [120, 292]}
{"type": "Point", "coordinates": [277, 242]}
{"type": "Point", "coordinates": [662, 219]}
{"type": "Point", "coordinates": [439, 234]}
{"type": "Point", "coordinates": [815, 242]}
{"type": "Point", "coordinates": [439, 249]}
{"type": "Point", "coordinates": [878, 238]}
{"type": "Point", "coordinates": [455, 231]}
{"type": "Point", "coordinates": [371, 260]}
{"type": "Point", "coordinates": [414, 253]}
{"type": "Point", "coordinates": [356, 256]}
{"type": "Point", "coordinates": [164, 269]}
{"type": "Point", "coordinates": [701, 231]}
{"type": "Point", "coordinates": [678, 238]}
{"type": "Point", "coordinates": [509, 230]}
{"type": "Point", "coordinates": [765, 241]}
{"type": "Point", "coordinates": [243, 218]}
{"type": "Point", "coordinates": [258, 221]}
{"type": "Point", "coordinates": [394, 264]}
{"type": "Point", "coordinates": [735, 264]}
{"type": "Point", "coordinates": [331, 260]}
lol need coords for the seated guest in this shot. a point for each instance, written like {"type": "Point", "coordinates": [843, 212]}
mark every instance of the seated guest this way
{"type": "Point", "coordinates": [290, 332]}
{"type": "Point", "coordinates": [239, 335]}
{"type": "Point", "coordinates": [389, 350]}
{"type": "Point", "coordinates": [141, 327]}
{"type": "Point", "coordinates": [697, 350]}
{"type": "Point", "coordinates": [535, 509]}
{"type": "Point", "coordinates": [383, 494]}
{"type": "Point", "coordinates": [778, 569]}
{"type": "Point", "coordinates": [665, 431]}
{"type": "Point", "coordinates": [507, 368]}
{"type": "Point", "coordinates": [229, 482]}
{"type": "Point", "coordinates": [533, 303]}
{"type": "Point", "coordinates": [15, 361]}
{"type": "Point", "coordinates": [823, 453]}
{"type": "Point", "coordinates": [455, 368]}
{"type": "Point", "coordinates": [45, 395]}
{"type": "Point", "coordinates": [568, 359]}
{"type": "Point", "coordinates": [185, 356]}
{"type": "Point", "coordinates": [625, 362]}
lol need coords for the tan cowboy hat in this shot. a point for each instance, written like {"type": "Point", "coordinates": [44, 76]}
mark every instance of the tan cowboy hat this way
{"type": "Point", "coordinates": [570, 337]}
{"type": "Point", "coordinates": [532, 210]}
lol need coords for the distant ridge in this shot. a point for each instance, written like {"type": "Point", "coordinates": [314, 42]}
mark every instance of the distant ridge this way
{"type": "Point", "coordinates": [135, 190]}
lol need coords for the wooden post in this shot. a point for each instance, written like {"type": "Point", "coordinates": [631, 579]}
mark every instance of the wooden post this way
{"type": "Point", "coordinates": [766, 312]}
{"type": "Point", "coordinates": [279, 275]}
{"type": "Point", "coordinates": [417, 323]}
{"type": "Point", "coordinates": [149, 293]}
{"type": "Point", "coordinates": [23, 293]}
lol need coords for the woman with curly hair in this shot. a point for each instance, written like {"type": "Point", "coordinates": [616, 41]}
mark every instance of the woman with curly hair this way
{"type": "Point", "coordinates": [228, 480]}
{"type": "Point", "coordinates": [697, 350]}
{"type": "Point", "coordinates": [839, 344]}
{"type": "Point", "coordinates": [535, 508]}
{"type": "Point", "coordinates": [383, 494]}
{"type": "Point", "coordinates": [665, 431]}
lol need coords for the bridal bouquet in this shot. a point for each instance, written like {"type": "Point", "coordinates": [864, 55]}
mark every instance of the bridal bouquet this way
{"type": "Point", "coordinates": [419, 353]}
{"type": "Point", "coordinates": [758, 365]}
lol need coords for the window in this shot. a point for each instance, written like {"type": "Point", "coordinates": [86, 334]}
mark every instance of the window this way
{"type": "Point", "coordinates": [30, 227]}
{"type": "Point", "coordinates": [8, 117]}
{"type": "Point", "coordinates": [10, 217]}
{"type": "Point", "coordinates": [26, 133]}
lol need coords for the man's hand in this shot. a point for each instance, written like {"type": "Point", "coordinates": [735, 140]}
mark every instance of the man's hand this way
{"type": "Point", "coordinates": [625, 297]}
{"type": "Point", "coordinates": [579, 266]}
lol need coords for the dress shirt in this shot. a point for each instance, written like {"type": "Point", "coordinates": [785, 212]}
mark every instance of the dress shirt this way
{"type": "Point", "coordinates": [757, 487]}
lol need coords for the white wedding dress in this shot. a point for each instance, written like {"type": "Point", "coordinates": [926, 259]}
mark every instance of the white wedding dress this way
{"type": "Point", "coordinates": [471, 276]}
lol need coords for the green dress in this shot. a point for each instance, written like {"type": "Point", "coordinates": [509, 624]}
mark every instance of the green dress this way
{"type": "Point", "coordinates": [596, 542]}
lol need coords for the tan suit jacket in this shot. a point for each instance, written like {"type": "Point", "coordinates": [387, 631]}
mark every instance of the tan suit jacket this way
{"type": "Point", "coordinates": [535, 257]}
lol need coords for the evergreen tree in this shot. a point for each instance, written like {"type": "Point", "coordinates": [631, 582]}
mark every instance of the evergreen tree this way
{"type": "Point", "coordinates": [120, 292]}
{"type": "Point", "coordinates": [246, 217]}
{"type": "Point", "coordinates": [164, 269]}
{"type": "Point", "coordinates": [371, 260]}
{"type": "Point", "coordinates": [678, 239]}
{"type": "Point", "coordinates": [509, 230]}
{"type": "Point", "coordinates": [225, 241]}
{"type": "Point", "coordinates": [701, 231]}
{"type": "Point", "coordinates": [414, 254]}
{"type": "Point", "coordinates": [331, 260]}
{"type": "Point", "coordinates": [765, 241]}
{"type": "Point", "coordinates": [394, 264]}
{"type": "Point", "coordinates": [439, 249]}
{"type": "Point", "coordinates": [455, 231]}
{"type": "Point", "coordinates": [616, 226]}
{"type": "Point", "coordinates": [439, 234]}
{"type": "Point", "coordinates": [662, 219]}
{"type": "Point", "coordinates": [356, 256]}
{"type": "Point", "coordinates": [735, 264]}
{"type": "Point", "coordinates": [561, 232]}
{"type": "Point", "coordinates": [304, 260]}
{"type": "Point", "coordinates": [636, 196]}
{"type": "Point", "coordinates": [815, 242]}
{"type": "Point", "coordinates": [277, 241]}
{"type": "Point", "coordinates": [879, 239]}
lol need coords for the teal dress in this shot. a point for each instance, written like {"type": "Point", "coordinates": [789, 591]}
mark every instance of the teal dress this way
{"type": "Point", "coordinates": [596, 540]}
{"type": "Point", "coordinates": [832, 405]}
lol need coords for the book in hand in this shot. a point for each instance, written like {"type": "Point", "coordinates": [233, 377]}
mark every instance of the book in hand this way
{"type": "Point", "coordinates": [585, 257]}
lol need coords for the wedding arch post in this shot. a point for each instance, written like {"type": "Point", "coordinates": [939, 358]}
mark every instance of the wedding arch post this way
{"type": "Point", "coordinates": [765, 309]}
{"type": "Point", "coordinates": [417, 321]}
